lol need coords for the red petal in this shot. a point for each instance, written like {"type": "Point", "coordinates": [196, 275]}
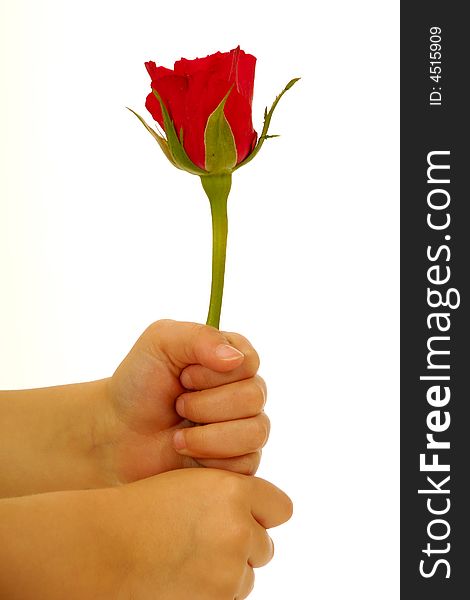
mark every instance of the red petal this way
{"type": "Point", "coordinates": [246, 75]}
{"type": "Point", "coordinates": [238, 114]}
{"type": "Point", "coordinates": [235, 66]}
{"type": "Point", "coordinates": [172, 90]}
{"type": "Point", "coordinates": [153, 106]}
{"type": "Point", "coordinates": [211, 63]}
{"type": "Point", "coordinates": [157, 72]}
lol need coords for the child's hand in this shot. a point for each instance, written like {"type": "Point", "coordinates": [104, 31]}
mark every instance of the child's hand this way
{"type": "Point", "coordinates": [208, 530]}
{"type": "Point", "coordinates": [178, 374]}
{"type": "Point", "coordinates": [139, 422]}
{"type": "Point", "coordinates": [194, 534]}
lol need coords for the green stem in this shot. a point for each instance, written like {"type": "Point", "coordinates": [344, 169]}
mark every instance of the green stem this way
{"type": "Point", "coordinates": [217, 188]}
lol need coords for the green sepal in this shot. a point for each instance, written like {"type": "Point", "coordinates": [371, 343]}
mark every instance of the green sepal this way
{"type": "Point", "coordinates": [221, 151]}
{"type": "Point", "coordinates": [161, 140]}
{"type": "Point", "coordinates": [178, 153]}
{"type": "Point", "coordinates": [267, 120]}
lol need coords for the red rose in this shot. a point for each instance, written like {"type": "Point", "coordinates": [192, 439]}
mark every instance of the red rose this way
{"type": "Point", "coordinates": [194, 89]}
{"type": "Point", "coordinates": [204, 107]}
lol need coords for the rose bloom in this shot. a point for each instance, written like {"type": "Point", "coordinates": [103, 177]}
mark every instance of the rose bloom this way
{"type": "Point", "coordinates": [195, 88]}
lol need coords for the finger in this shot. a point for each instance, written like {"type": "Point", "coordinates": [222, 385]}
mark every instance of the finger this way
{"type": "Point", "coordinates": [270, 506]}
{"type": "Point", "coordinates": [182, 344]}
{"type": "Point", "coordinates": [237, 400]}
{"type": "Point", "coordinates": [245, 465]}
{"type": "Point", "coordinates": [223, 440]}
{"type": "Point", "coordinates": [201, 376]}
{"type": "Point", "coordinates": [262, 549]}
{"type": "Point", "coordinates": [247, 585]}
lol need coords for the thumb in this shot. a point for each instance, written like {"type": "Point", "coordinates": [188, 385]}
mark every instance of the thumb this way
{"type": "Point", "coordinates": [182, 344]}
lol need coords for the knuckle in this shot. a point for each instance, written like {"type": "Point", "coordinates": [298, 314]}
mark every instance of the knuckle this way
{"type": "Point", "coordinates": [262, 427]}
{"type": "Point", "coordinates": [250, 463]}
{"type": "Point", "coordinates": [259, 392]}
{"type": "Point", "coordinates": [241, 535]}
{"type": "Point", "coordinates": [158, 326]}
{"type": "Point", "coordinates": [152, 331]}
{"type": "Point", "coordinates": [197, 328]}
{"type": "Point", "coordinates": [272, 550]}
{"type": "Point", "coordinates": [262, 383]}
{"type": "Point", "coordinates": [265, 427]}
{"type": "Point", "coordinates": [229, 580]}
{"type": "Point", "coordinates": [223, 584]}
{"type": "Point", "coordinates": [193, 336]}
{"type": "Point", "coordinates": [152, 336]}
{"type": "Point", "coordinates": [249, 585]}
{"type": "Point", "coordinates": [234, 488]}
{"type": "Point", "coordinates": [288, 507]}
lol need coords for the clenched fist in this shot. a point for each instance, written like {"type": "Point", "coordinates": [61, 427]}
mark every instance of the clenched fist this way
{"type": "Point", "coordinates": [194, 534]}
{"type": "Point", "coordinates": [186, 395]}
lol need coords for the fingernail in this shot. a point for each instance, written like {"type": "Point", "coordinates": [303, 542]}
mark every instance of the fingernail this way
{"type": "Point", "coordinates": [226, 352]}
{"type": "Point", "coordinates": [179, 406]}
{"type": "Point", "coordinates": [178, 440]}
{"type": "Point", "coordinates": [186, 380]}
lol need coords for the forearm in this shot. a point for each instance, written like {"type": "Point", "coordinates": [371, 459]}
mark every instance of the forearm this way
{"type": "Point", "coordinates": [59, 545]}
{"type": "Point", "coordinates": [53, 439]}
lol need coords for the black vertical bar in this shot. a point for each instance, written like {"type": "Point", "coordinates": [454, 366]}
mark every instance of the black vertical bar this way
{"type": "Point", "coordinates": [435, 118]}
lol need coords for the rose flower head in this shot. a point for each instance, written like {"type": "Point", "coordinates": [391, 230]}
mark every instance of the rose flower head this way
{"type": "Point", "coordinates": [204, 108]}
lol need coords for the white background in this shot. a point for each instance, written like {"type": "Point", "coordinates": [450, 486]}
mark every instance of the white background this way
{"type": "Point", "coordinates": [100, 236]}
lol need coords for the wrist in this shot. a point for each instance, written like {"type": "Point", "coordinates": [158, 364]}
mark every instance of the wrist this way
{"type": "Point", "coordinates": [92, 436]}
{"type": "Point", "coordinates": [58, 438]}
{"type": "Point", "coordinates": [103, 430]}
{"type": "Point", "coordinates": [81, 436]}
